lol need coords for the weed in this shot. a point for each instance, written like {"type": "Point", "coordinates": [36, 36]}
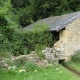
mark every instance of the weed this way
{"type": "Point", "coordinates": [30, 66]}
{"type": "Point", "coordinates": [76, 56]}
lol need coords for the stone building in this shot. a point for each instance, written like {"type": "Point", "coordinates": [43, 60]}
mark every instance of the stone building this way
{"type": "Point", "coordinates": [67, 26]}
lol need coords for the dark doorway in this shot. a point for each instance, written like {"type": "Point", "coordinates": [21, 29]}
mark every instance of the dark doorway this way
{"type": "Point", "coordinates": [55, 36]}
{"type": "Point", "coordinates": [62, 61]}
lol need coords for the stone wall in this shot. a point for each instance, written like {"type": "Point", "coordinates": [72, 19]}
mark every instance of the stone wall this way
{"type": "Point", "coordinates": [69, 41]}
{"type": "Point", "coordinates": [51, 55]}
{"type": "Point", "coordinates": [73, 41]}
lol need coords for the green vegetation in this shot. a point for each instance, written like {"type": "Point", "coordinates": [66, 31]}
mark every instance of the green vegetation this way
{"type": "Point", "coordinates": [30, 67]}
{"type": "Point", "coordinates": [16, 42]}
{"type": "Point", "coordinates": [76, 56]}
{"type": "Point", "coordinates": [33, 10]}
{"type": "Point", "coordinates": [15, 14]}
{"type": "Point", "coordinates": [74, 63]}
{"type": "Point", "coordinates": [38, 38]}
{"type": "Point", "coordinates": [44, 73]}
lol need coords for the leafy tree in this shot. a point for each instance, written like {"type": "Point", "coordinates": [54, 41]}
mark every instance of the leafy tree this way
{"type": "Point", "coordinates": [19, 3]}
{"type": "Point", "coordinates": [34, 10]}
{"type": "Point", "coordinates": [3, 21]}
{"type": "Point", "coordinates": [74, 5]}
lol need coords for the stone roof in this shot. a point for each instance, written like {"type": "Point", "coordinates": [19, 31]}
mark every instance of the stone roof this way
{"type": "Point", "coordinates": [56, 23]}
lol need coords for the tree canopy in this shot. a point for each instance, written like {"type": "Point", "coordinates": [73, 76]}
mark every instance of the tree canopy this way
{"type": "Point", "coordinates": [33, 10]}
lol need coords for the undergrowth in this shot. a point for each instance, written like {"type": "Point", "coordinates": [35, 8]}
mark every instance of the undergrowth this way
{"type": "Point", "coordinates": [76, 56]}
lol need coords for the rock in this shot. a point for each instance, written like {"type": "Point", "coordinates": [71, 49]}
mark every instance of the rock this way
{"type": "Point", "coordinates": [6, 66]}
{"type": "Point", "coordinates": [12, 67]}
{"type": "Point", "coordinates": [57, 68]}
{"type": "Point", "coordinates": [33, 52]}
{"type": "Point", "coordinates": [35, 70]}
{"type": "Point", "coordinates": [21, 57]}
{"type": "Point", "coordinates": [43, 63]}
{"type": "Point", "coordinates": [50, 65]}
{"type": "Point", "coordinates": [43, 51]}
{"type": "Point", "coordinates": [13, 58]}
{"type": "Point", "coordinates": [49, 49]}
{"type": "Point", "coordinates": [33, 58]}
{"type": "Point", "coordinates": [22, 70]}
{"type": "Point", "coordinates": [2, 62]}
{"type": "Point", "coordinates": [9, 67]}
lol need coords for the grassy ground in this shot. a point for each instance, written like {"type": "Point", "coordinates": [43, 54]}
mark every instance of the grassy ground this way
{"type": "Point", "coordinates": [45, 73]}
{"type": "Point", "coordinates": [74, 64]}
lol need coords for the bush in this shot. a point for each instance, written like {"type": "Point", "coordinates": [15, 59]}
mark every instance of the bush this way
{"type": "Point", "coordinates": [39, 36]}
{"type": "Point", "coordinates": [11, 40]}
{"type": "Point", "coordinates": [5, 46]}
{"type": "Point", "coordinates": [30, 66]}
{"type": "Point", "coordinates": [24, 20]}
{"type": "Point", "coordinates": [19, 3]}
{"type": "Point", "coordinates": [11, 37]}
{"type": "Point", "coordinates": [3, 21]}
{"type": "Point", "coordinates": [18, 44]}
{"type": "Point", "coordinates": [76, 56]}
{"type": "Point", "coordinates": [38, 50]}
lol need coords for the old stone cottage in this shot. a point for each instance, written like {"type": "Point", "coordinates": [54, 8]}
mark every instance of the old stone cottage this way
{"type": "Point", "coordinates": [68, 28]}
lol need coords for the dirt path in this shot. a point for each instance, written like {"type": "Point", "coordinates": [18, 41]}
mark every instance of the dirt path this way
{"type": "Point", "coordinates": [74, 71]}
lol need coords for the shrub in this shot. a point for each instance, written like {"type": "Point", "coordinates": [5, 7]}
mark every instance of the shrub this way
{"type": "Point", "coordinates": [25, 16]}
{"type": "Point", "coordinates": [18, 44]}
{"type": "Point", "coordinates": [38, 50]}
{"type": "Point", "coordinates": [24, 20]}
{"type": "Point", "coordinates": [3, 21]}
{"type": "Point", "coordinates": [19, 3]}
{"type": "Point", "coordinates": [30, 66]}
{"type": "Point", "coordinates": [76, 56]}
{"type": "Point", "coordinates": [39, 36]}
{"type": "Point", "coordinates": [5, 46]}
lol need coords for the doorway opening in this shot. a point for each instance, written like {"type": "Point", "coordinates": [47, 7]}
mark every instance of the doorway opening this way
{"type": "Point", "coordinates": [62, 61]}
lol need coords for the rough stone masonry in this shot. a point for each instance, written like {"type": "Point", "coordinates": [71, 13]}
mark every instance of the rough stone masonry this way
{"type": "Point", "coordinates": [68, 43]}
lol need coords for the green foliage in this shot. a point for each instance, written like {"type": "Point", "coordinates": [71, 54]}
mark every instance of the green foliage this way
{"type": "Point", "coordinates": [39, 36]}
{"type": "Point", "coordinates": [38, 9]}
{"type": "Point", "coordinates": [24, 20]}
{"type": "Point", "coordinates": [20, 62]}
{"type": "Point", "coordinates": [74, 65]}
{"type": "Point", "coordinates": [2, 38]}
{"type": "Point", "coordinates": [38, 50]}
{"type": "Point", "coordinates": [17, 13]}
{"type": "Point", "coordinates": [19, 3]}
{"type": "Point", "coordinates": [76, 56]}
{"type": "Point", "coordinates": [10, 34]}
{"type": "Point", "coordinates": [30, 66]}
{"type": "Point", "coordinates": [25, 15]}
{"type": "Point", "coordinates": [3, 21]}
{"type": "Point", "coordinates": [74, 5]}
